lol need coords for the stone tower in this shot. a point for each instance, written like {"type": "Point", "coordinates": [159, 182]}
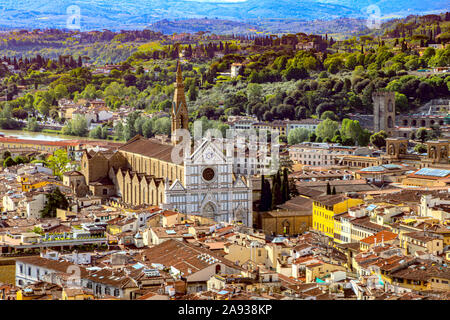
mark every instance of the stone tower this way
{"type": "Point", "coordinates": [384, 112]}
{"type": "Point", "coordinates": [396, 148]}
{"type": "Point", "coordinates": [437, 151]}
{"type": "Point", "coordinates": [180, 118]}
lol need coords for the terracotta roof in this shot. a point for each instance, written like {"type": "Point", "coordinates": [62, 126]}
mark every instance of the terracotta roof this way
{"type": "Point", "coordinates": [379, 237]}
{"type": "Point", "coordinates": [182, 256]}
{"type": "Point", "coordinates": [298, 204]}
{"type": "Point", "coordinates": [149, 148]}
{"type": "Point", "coordinates": [330, 200]}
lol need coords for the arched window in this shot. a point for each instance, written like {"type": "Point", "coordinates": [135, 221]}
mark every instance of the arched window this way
{"type": "Point", "coordinates": [390, 123]}
{"type": "Point", "coordinates": [390, 106]}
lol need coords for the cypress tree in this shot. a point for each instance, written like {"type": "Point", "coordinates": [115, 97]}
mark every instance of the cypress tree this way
{"type": "Point", "coordinates": [283, 192]}
{"type": "Point", "coordinates": [276, 195]}
{"type": "Point", "coordinates": [334, 190]}
{"type": "Point", "coordinates": [328, 188]}
{"type": "Point", "coordinates": [287, 195]}
{"type": "Point", "coordinates": [279, 178]}
{"type": "Point", "coordinates": [263, 201]}
{"type": "Point", "coordinates": [267, 196]}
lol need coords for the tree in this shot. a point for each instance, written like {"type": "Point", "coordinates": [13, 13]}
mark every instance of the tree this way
{"type": "Point", "coordinates": [276, 195]}
{"type": "Point", "coordinates": [401, 102]}
{"type": "Point", "coordinates": [99, 132]}
{"type": "Point", "coordinates": [328, 188]}
{"type": "Point", "coordinates": [422, 134]}
{"type": "Point", "coordinates": [58, 162]}
{"type": "Point", "coordinates": [20, 160]}
{"type": "Point", "coordinates": [351, 129]}
{"type": "Point", "coordinates": [298, 135]}
{"type": "Point", "coordinates": [55, 200]}
{"type": "Point", "coordinates": [379, 139]}
{"type": "Point", "coordinates": [192, 92]}
{"type": "Point", "coordinates": [78, 126]}
{"type": "Point", "coordinates": [267, 195]}
{"type": "Point", "coordinates": [334, 190]}
{"type": "Point", "coordinates": [435, 132]}
{"type": "Point", "coordinates": [43, 107]}
{"type": "Point", "coordinates": [326, 129]}
{"type": "Point", "coordinates": [329, 115]}
{"type": "Point", "coordinates": [420, 148]}
{"type": "Point", "coordinates": [265, 202]}
{"type": "Point", "coordinates": [60, 92]}
{"type": "Point", "coordinates": [254, 93]}
{"type": "Point", "coordinates": [8, 162]}
{"type": "Point", "coordinates": [286, 190]}
{"type": "Point", "coordinates": [294, 73]}
{"type": "Point", "coordinates": [32, 125]}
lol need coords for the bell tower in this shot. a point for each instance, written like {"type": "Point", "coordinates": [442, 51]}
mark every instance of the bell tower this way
{"type": "Point", "coordinates": [384, 112]}
{"type": "Point", "coordinates": [179, 115]}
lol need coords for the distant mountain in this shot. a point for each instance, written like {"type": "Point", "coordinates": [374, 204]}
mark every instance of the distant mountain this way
{"type": "Point", "coordinates": [193, 25]}
{"type": "Point", "coordinates": [131, 14]}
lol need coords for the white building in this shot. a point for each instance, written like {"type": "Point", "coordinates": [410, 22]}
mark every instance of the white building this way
{"type": "Point", "coordinates": [211, 187]}
{"type": "Point", "coordinates": [435, 207]}
{"type": "Point", "coordinates": [318, 154]}
{"type": "Point", "coordinates": [235, 69]}
{"type": "Point", "coordinates": [308, 124]}
{"type": "Point", "coordinates": [35, 204]}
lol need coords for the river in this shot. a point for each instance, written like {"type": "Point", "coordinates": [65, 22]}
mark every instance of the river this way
{"type": "Point", "coordinates": [35, 135]}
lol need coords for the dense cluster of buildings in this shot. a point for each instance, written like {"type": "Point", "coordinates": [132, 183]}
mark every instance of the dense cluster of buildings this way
{"type": "Point", "coordinates": [359, 224]}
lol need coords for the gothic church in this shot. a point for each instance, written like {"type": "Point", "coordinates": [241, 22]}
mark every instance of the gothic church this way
{"type": "Point", "coordinates": [141, 172]}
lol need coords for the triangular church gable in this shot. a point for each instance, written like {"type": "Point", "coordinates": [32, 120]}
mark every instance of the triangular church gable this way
{"type": "Point", "coordinates": [98, 156]}
{"type": "Point", "coordinates": [177, 186]}
{"type": "Point", "coordinates": [208, 152]}
{"type": "Point", "coordinates": [239, 183]}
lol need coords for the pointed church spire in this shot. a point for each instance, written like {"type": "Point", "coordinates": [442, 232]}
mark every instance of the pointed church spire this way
{"type": "Point", "coordinates": [180, 118]}
{"type": "Point", "coordinates": [179, 73]}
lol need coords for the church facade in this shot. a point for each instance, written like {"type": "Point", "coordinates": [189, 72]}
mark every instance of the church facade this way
{"type": "Point", "coordinates": [211, 189]}
{"type": "Point", "coordinates": [142, 172]}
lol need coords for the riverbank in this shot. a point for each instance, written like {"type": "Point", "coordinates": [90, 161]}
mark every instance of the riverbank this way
{"type": "Point", "coordinates": [47, 135]}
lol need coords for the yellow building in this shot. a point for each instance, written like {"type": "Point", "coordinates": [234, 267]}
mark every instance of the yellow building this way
{"type": "Point", "coordinates": [284, 222]}
{"type": "Point", "coordinates": [35, 183]}
{"type": "Point", "coordinates": [320, 270]}
{"type": "Point", "coordinates": [76, 294]}
{"type": "Point", "coordinates": [40, 145]}
{"type": "Point", "coordinates": [279, 126]}
{"type": "Point", "coordinates": [419, 278]}
{"type": "Point", "coordinates": [338, 228]}
{"type": "Point", "coordinates": [326, 207]}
